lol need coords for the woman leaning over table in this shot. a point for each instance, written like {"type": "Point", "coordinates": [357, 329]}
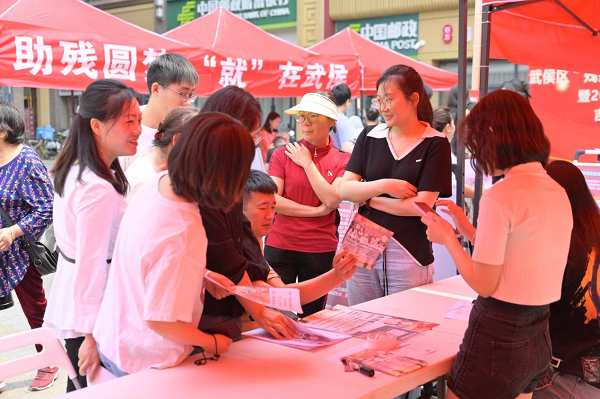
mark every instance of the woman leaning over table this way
{"type": "Point", "coordinates": [521, 247]}
{"type": "Point", "coordinates": [303, 240]}
{"type": "Point", "coordinates": [26, 197]}
{"type": "Point", "coordinates": [88, 206]}
{"type": "Point", "coordinates": [393, 165]}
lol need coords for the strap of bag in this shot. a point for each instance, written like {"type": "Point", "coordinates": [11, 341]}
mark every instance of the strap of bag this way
{"type": "Point", "coordinates": [71, 260]}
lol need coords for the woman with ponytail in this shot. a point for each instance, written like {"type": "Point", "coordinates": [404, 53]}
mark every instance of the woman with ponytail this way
{"type": "Point", "coordinates": [89, 203]}
{"type": "Point", "coordinates": [394, 164]}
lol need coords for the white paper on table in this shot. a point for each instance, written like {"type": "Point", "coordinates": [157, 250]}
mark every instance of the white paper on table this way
{"type": "Point", "coordinates": [344, 320]}
{"type": "Point", "coordinates": [278, 298]}
{"type": "Point", "coordinates": [460, 311]}
{"type": "Point", "coordinates": [309, 338]}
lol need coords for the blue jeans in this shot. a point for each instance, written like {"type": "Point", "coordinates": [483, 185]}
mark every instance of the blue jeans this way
{"type": "Point", "coordinates": [402, 272]}
{"type": "Point", "coordinates": [109, 365]}
{"type": "Point", "coordinates": [562, 385]}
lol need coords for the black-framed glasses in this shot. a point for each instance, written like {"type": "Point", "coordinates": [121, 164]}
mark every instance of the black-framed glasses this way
{"type": "Point", "coordinates": [202, 361]}
{"type": "Point", "coordinates": [377, 103]}
{"type": "Point", "coordinates": [312, 118]}
{"type": "Point", "coordinates": [183, 97]}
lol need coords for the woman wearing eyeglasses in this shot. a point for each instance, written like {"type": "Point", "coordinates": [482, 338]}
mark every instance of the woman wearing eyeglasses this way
{"type": "Point", "coordinates": [393, 165]}
{"type": "Point", "coordinates": [303, 239]}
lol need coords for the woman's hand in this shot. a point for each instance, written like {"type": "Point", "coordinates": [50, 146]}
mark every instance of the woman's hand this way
{"type": "Point", "coordinates": [344, 264]}
{"type": "Point", "coordinates": [400, 188]}
{"type": "Point", "coordinates": [299, 154]}
{"type": "Point", "coordinates": [89, 359]}
{"type": "Point", "coordinates": [6, 239]}
{"type": "Point", "coordinates": [223, 343]}
{"type": "Point", "coordinates": [277, 324]}
{"type": "Point", "coordinates": [459, 218]}
{"type": "Point", "coordinates": [322, 210]}
{"type": "Point", "coordinates": [439, 231]}
{"type": "Point", "coordinates": [214, 289]}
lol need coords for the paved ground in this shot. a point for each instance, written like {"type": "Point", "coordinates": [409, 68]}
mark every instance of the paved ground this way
{"type": "Point", "coordinates": [13, 321]}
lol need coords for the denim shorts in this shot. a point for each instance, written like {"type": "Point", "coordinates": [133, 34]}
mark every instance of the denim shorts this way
{"type": "Point", "coordinates": [505, 352]}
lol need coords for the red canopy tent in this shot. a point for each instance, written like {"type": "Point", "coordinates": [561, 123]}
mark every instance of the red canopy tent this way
{"type": "Point", "coordinates": [375, 59]}
{"type": "Point", "coordinates": [546, 35]}
{"type": "Point", "coordinates": [242, 54]}
{"type": "Point", "coordinates": [67, 44]}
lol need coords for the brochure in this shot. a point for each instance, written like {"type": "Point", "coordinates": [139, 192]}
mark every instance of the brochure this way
{"type": "Point", "coordinates": [366, 240]}
{"type": "Point", "coordinates": [309, 338]}
{"type": "Point", "coordinates": [278, 298]}
{"type": "Point", "coordinates": [387, 362]}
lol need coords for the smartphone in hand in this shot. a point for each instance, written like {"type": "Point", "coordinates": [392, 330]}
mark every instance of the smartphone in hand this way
{"type": "Point", "coordinates": [423, 209]}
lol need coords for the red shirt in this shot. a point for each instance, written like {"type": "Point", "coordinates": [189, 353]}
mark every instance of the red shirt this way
{"type": "Point", "coordinates": [265, 143]}
{"type": "Point", "coordinates": [312, 235]}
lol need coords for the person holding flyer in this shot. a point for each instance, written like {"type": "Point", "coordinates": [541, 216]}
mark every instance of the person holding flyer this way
{"type": "Point", "coordinates": [521, 247]}
{"type": "Point", "coordinates": [393, 165]}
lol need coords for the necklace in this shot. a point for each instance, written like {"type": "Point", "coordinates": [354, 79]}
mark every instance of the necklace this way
{"type": "Point", "coordinates": [404, 147]}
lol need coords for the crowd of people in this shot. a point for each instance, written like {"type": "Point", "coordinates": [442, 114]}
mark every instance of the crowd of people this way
{"type": "Point", "coordinates": [146, 202]}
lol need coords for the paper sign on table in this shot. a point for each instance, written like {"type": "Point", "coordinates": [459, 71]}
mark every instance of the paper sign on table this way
{"type": "Point", "coordinates": [278, 298]}
{"type": "Point", "coordinates": [309, 338]}
{"type": "Point", "coordinates": [460, 311]}
{"type": "Point", "coordinates": [387, 362]}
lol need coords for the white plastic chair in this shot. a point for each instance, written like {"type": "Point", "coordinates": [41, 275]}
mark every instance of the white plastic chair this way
{"type": "Point", "coordinates": [52, 354]}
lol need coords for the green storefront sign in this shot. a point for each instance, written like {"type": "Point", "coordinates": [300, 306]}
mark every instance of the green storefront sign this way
{"type": "Point", "coordinates": [398, 33]}
{"type": "Point", "coordinates": [268, 14]}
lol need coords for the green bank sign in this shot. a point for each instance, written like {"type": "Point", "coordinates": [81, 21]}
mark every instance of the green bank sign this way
{"type": "Point", "coordinates": [268, 14]}
{"type": "Point", "coordinates": [399, 33]}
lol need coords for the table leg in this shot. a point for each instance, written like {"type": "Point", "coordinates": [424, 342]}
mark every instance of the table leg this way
{"type": "Point", "coordinates": [441, 387]}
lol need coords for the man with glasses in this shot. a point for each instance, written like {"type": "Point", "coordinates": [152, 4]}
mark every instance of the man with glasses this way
{"type": "Point", "coordinates": [172, 82]}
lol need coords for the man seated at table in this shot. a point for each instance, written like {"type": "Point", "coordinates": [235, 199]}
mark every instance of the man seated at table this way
{"type": "Point", "coordinates": [259, 209]}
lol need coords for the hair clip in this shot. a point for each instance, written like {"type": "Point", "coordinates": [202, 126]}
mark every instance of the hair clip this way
{"type": "Point", "coordinates": [158, 135]}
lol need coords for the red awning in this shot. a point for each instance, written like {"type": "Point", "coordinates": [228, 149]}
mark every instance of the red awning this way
{"type": "Point", "coordinates": [242, 54]}
{"type": "Point", "coordinates": [376, 59]}
{"type": "Point", "coordinates": [67, 44]}
{"type": "Point", "coordinates": [546, 35]}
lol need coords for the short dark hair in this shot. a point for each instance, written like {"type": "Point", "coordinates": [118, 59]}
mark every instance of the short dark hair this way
{"type": "Point", "coordinates": [518, 86]}
{"type": "Point", "coordinates": [409, 81]}
{"type": "Point", "coordinates": [173, 124]}
{"type": "Point", "coordinates": [171, 68]}
{"type": "Point", "coordinates": [271, 117]}
{"type": "Point", "coordinates": [341, 93]}
{"type": "Point", "coordinates": [259, 182]}
{"type": "Point", "coordinates": [441, 117]}
{"type": "Point", "coordinates": [235, 102]}
{"type": "Point", "coordinates": [104, 100]}
{"type": "Point", "coordinates": [12, 123]}
{"type": "Point", "coordinates": [373, 115]}
{"type": "Point", "coordinates": [210, 163]}
{"type": "Point", "coordinates": [503, 131]}
{"type": "Point", "coordinates": [278, 141]}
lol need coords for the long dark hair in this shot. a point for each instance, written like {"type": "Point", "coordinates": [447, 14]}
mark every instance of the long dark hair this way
{"type": "Point", "coordinates": [586, 215]}
{"type": "Point", "coordinates": [103, 100]}
{"type": "Point", "coordinates": [409, 81]}
{"type": "Point", "coordinates": [271, 117]}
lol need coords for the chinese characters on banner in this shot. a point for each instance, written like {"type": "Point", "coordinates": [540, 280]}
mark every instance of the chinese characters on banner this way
{"type": "Point", "coordinates": [568, 104]}
{"type": "Point", "coordinates": [81, 57]}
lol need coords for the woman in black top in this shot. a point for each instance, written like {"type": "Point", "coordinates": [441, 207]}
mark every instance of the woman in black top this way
{"type": "Point", "coordinates": [393, 165]}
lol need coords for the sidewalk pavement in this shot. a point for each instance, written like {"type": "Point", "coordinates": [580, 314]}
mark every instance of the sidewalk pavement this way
{"type": "Point", "coordinates": [13, 321]}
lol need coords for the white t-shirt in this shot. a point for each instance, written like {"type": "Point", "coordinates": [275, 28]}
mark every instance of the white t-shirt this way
{"type": "Point", "coordinates": [144, 145]}
{"type": "Point", "coordinates": [86, 221]}
{"type": "Point", "coordinates": [257, 162]}
{"type": "Point", "coordinates": [138, 173]}
{"type": "Point", "coordinates": [525, 224]}
{"type": "Point", "coordinates": [156, 274]}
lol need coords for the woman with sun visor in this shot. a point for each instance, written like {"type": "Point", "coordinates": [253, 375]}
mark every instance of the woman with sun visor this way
{"type": "Point", "coordinates": [303, 240]}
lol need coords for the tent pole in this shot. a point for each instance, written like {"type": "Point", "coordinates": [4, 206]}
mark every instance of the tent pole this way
{"type": "Point", "coordinates": [462, 98]}
{"type": "Point", "coordinates": [486, 26]}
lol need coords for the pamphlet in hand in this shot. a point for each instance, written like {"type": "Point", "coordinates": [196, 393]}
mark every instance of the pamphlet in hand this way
{"type": "Point", "coordinates": [387, 362]}
{"type": "Point", "coordinates": [366, 240]}
{"type": "Point", "coordinates": [309, 338]}
{"type": "Point", "coordinates": [278, 298]}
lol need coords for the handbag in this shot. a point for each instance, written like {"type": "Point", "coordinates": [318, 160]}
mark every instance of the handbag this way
{"type": "Point", "coordinates": [43, 253]}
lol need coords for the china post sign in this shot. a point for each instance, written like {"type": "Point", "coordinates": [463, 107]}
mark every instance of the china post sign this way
{"type": "Point", "coordinates": [268, 14]}
{"type": "Point", "coordinates": [398, 33]}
